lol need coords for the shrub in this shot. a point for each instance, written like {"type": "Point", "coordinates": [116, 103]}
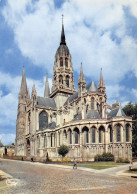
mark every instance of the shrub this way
{"type": "Point", "coordinates": [122, 160]}
{"type": "Point", "coordinates": [104, 157]}
{"type": "Point", "coordinates": [63, 150]}
{"type": "Point", "coordinates": [66, 160]}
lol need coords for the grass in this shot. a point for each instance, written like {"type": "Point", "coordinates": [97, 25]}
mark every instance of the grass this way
{"type": "Point", "coordinates": [97, 165]}
{"type": "Point", "coordinates": [133, 171]}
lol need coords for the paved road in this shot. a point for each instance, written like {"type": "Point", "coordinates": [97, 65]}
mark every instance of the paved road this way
{"type": "Point", "coordinates": [41, 178]}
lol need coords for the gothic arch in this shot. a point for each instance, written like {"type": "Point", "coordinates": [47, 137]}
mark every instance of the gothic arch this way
{"type": "Point", "coordinates": [60, 79]}
{"type": "Point", "coordinates": [66, 62]}
{"type": "Point", "coordinates": [61, 62]}
{"type": "Point", "coordinates": [127, 132]}
{"type": "Point", "coordinates": [110, 133]}
{"type": "Point", "coordinates": [85, 132]}
{"type": "Point", "coordinates": [69, 136]}
{"type": "Point", "coordinates": [93, 134]}
{"type": "Point", "coordinates": [67, 80]}
{"type": "Point", "coordinates": [43, 120]}
{"type": "Point", "coordinates": [76, 135]}
{"type": "Point", "coordinates": [118, 132]}
{"type": "Point", "coordinates": [101, 132]}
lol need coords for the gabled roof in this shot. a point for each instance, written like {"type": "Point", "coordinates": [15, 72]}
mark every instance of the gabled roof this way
{"type": "Point", "coordinates": [48, 102]}
{"type": "Point", "coordinates": [91, 87]}
{"type": "Point", "coordinates": [117, 112]}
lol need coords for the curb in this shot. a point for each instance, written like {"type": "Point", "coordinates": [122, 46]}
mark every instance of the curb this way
{"type": "Point", "coordinates": [5, 175]}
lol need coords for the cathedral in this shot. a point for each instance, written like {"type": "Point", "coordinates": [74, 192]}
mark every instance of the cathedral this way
{"type": "Point", "coordinates": [80, 119]}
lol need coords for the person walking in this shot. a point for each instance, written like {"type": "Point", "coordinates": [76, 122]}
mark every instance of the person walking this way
{"type": "Point", "coordinates": [75, 164]}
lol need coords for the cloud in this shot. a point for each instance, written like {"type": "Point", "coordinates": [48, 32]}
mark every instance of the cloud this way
{"type": "Point", "coordinates": [134, 92]}
{"type": "Point", "coordinates": [7, 138]}
{"type": "Point", "coordinates": [96, 33]}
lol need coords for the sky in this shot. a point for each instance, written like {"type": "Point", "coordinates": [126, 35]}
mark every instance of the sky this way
{"type": "Point", "coordinates": [99, 33]}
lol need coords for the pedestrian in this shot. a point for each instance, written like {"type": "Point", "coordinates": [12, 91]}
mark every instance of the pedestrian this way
{"type": "Point", "coordinates": [75, 164]}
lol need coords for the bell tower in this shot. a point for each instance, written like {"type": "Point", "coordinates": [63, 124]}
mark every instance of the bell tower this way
{"type": "Point", "coordinates": [63, 80]}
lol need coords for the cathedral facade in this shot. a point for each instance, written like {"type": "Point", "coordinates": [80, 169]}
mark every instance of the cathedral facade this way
{"type": "Point", "coordinates": [79, 119]}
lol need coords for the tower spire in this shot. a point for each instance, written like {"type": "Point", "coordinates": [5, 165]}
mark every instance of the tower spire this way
{"type": "Point", "coordinates": [23, 89]}
{"type": "Point", "coordinates": [62, 41]}
{"type": "Point", "coordinates": [47, 90]}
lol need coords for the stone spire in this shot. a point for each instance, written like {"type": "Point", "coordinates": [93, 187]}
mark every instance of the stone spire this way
{"type": "Point", "coordinates": [47, 90]}
{"type": "Point", "coordinates": [62, 41]}
{"type": "Point", "coordinates": [23, 89]}
{"type": "Point", "coordinates": [33, 89]}
{"type": "Point", "coordinates": [101, 85]}
{"type": "Point", "coordinates": [81, 82]}
{"type": "Point", "coordinates": [81, 77]}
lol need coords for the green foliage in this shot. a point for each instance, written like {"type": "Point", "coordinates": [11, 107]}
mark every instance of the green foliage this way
{"type": "Point", "coordinates": [104, 157]}
{"type": "Point", "coordinates": [122, 160]}
{"type": "Point", "coordinates": [131, 110]}
{"type": "Point", "coordinates": [63, 150]}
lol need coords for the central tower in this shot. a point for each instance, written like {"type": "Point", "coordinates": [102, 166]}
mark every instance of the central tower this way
{"type": "Point", "coordinates": [63, 80]}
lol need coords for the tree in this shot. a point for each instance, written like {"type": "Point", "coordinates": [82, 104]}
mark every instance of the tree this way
{"type": "Point", "coordinates": [131, 110]}
{"type": "Point", "coordinates": [63, 150]}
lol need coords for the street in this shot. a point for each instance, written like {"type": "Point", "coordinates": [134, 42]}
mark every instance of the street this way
{"type": "Point", "coordinates": [42, 178]}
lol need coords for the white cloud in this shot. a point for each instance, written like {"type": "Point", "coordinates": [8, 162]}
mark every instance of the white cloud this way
{"type": "Point", "coordinates": [92, 29]}
{"type": "Point", "coordinates": [134, 92]}
{"type": "Point", "coordinates": [7, 138]}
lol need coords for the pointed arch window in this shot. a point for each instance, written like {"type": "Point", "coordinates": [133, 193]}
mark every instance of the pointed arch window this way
{"type": "Point", "coordinates": [118, 133]}
{"type": "Point", "coordinates": [61, 62]}
{"type": "Point", "coordinates": [60, 79]}
{"type": "Point", "coordinates": [85, 131]}
{"type": "Point", "coordinates": [70, 136]}
{"type": "Point", "coordinates": [92, 103]}
{"type": "Point", "coordinates": [93, 134]}
{"type": "Point", "coordinates": [43, 120]}
{"type": "Point", "coordinates": [51, 140]}
{"type": "Point", "coordinates": [101, 134]}
{"type": "Point", "coordinates": [127, 133]}
{"type": "Point", "coordinates": [76, 132]}
{"type": "Point", "coordinates": [67, 80]}
{"type": "Point", "coordinates": [110, 133]}
{"type": "Point", "coordinates": [66, 62]}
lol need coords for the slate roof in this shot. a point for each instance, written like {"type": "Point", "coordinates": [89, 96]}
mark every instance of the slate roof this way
{"type": "Point", "coordinates": [117, 112]}
{"type": "Point", "coordinates": [48, 102]}
{"type": "Point", "coordinates": [71, 98]}
{"type": "Point", "coordinates": [92, 114]}
{"type": "Point", "coordinates": [77, 117]}
{"type": "Point", "coordinates": [91, 87]}
{"type": "Point", "coordinates": [52, 125]}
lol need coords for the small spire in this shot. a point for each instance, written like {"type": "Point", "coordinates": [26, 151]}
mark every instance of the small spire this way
{"type": "Point", "coordinates": [33, 87]}
{"type": "Point", "coordinates": [81, 77]}
{"type": "Point", "coordinates": [47, 90]}
{"type": "Point", "coordinates": [101, 82]}
{"type": "Point", "coordinates": [62, 41]}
